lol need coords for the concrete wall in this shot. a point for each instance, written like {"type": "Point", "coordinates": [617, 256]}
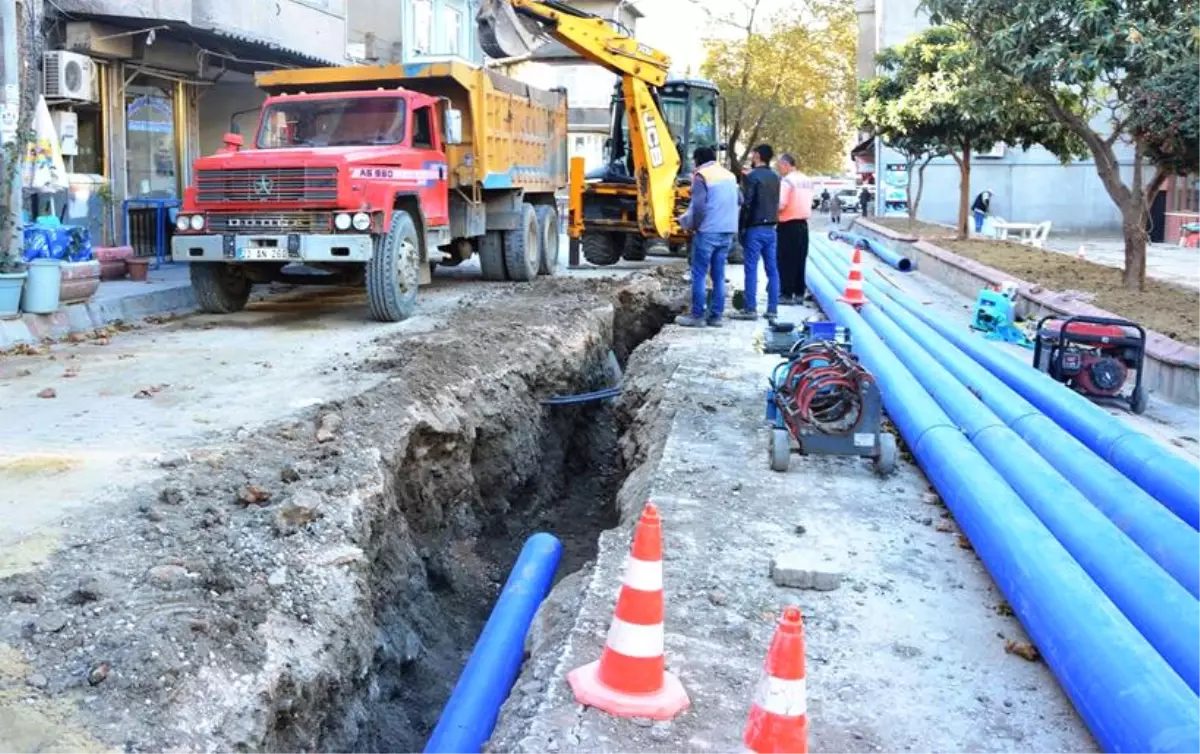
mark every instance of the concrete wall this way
{"type": "Point", "coordinates": [865, 60]}
{"type": "Point", "coordinates": [378, 26]}
{"type": "Point", "coordinates": [215, 106]}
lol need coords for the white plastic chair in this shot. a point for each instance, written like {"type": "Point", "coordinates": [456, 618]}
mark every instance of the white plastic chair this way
{"type": "Point", "coordinates": [1038, 239]}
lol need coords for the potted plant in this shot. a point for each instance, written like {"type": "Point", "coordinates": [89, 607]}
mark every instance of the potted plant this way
{"type": "Point", "coordinates": [12, 261]}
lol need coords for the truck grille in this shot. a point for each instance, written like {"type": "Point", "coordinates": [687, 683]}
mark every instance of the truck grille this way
{"type": "Point", "coordinates": [266, 185]}
{"type": "Point", "coordinates": [285, 222]}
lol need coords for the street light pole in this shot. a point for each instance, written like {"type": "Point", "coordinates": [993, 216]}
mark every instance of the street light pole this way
{"type": "Point", "coordinates": [10, 109]}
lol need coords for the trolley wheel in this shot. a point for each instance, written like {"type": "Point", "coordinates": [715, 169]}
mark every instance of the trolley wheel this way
{"type": "Point", "coordinates": [779, 449]}
{"type": "Point", "coordinates": [1139, 401]}
{"type": "Point", "coordinates": [885, 454]}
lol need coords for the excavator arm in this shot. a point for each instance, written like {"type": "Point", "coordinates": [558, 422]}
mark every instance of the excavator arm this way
{"type": "Point", "coordinates": [514, 28]}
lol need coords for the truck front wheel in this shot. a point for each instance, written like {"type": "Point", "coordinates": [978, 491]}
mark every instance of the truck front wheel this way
{"type": "Point", "coordinates": [394, 271]}
{"type": "Point", "coordinates": [220, 288]}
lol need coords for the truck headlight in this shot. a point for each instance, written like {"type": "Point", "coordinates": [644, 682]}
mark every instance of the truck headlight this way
{"type": "Point", "coordinates": [181, 222]}
{"type": "Point", "coordinates": [197, 222]}
{"type": "Point", "coordinates": [362, 221]}
{"type": "Point", "coordinates": [341, 221]}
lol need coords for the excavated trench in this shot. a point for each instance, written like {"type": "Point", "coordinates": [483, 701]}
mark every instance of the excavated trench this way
{"type": "Point", "coordinates": [459, 506]}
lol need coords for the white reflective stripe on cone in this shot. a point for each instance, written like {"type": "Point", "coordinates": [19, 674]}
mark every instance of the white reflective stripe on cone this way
{"type": "Point", "coordinates": [780, 697]}
{"type": "Point", "coordinates": [644, 575]}
{"type": "Point", "coordinates": [633, 640]}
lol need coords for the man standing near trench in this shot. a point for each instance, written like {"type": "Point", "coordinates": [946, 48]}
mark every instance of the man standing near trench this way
{"type": "Point", "coordinates": [760, 214]}
{"type": "Point", "coordinates": [795, 207]}
{"type": "Point", "coordinates": [712, 216]}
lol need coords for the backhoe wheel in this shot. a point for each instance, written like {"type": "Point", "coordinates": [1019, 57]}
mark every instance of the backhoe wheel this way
{"type": "Point", "coordinates": [491, 255]}
{"type": "Point", "coordinates": [220, 288]}
{"type": "Point", "coordinates": [521, 255]}
{"type": "Point", "coordinates": [635, 248]}
{"type": "Point", "coordinates": [547, 221]}
{"type": "Point", "coordinates": [601, 248]}
{"type": "Point", "coordinates": [394, 271]}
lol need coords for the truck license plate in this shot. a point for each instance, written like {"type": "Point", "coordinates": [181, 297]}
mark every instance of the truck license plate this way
{"type": "Point", "coordinates": [259, 254]}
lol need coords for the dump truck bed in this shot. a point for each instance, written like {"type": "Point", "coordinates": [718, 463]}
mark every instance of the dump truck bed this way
{"type": "Point", "coordinates": [514, 135]}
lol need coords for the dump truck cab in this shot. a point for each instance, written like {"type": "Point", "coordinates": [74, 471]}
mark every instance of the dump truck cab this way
{"type": "Point", "coordinates": [377, 174]}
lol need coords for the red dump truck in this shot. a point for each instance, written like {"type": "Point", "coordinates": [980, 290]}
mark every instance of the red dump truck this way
{"type": "Point", "coordinates": [375, 175]}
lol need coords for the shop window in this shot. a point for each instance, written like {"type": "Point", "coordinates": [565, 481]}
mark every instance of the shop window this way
{"type": "Point", "coordinates": [151, 161]}
{"type": "Point", "coordinates": [422, 11]}
{"type": "Point", "coordinates": [1185, 194]}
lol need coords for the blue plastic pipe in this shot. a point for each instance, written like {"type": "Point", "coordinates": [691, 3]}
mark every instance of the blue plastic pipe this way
{"type": "Point", "coordinates": [1161, 609]}
{"type": "Point", "coordinates": [1128, 696]}
{"type": "Point", "coordinates": [878, 248]}
{"type": "Point", "coordinates": [470, 715]}
{"type": "Point", "coordinates": [1165, 476]}
{"type": "Point", "coordinates": [1169, 541]}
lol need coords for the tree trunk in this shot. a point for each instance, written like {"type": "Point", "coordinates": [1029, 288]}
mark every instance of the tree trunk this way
{"type": "Point", "coordinates": [964, 191]}
{"type": "Point", "coordinates": [1133, 228]}
{"type": "Point", "coordinates": [920, 187]}
{"type": "Point", "coordinates": [908, 197]}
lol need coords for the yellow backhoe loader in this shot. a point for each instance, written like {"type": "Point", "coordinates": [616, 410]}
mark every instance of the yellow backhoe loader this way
{"type": "Point", "coordinates": [629, 206]}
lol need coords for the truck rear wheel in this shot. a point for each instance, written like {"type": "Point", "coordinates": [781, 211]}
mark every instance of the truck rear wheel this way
{"type": "Point", "coordinates": [394, 271]}
{"type": "Point", "coordinates": [220, 288]}
{"type": "Point", "coordinates": [547, 219]}
{"type": "Point", "coordinates": [491, 255]}
{"type": "Point", "coordinates": [521, 255]}
{"type": "Point", "coordinates": [601, 248]}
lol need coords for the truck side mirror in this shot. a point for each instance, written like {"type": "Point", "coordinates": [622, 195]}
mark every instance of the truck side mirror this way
{"type": "Point", "coordinates": [454, 126]}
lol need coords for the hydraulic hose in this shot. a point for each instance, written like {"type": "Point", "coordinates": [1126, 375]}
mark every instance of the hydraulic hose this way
{"type": "Point", "coordinates": [1125, 691]}
{"type": "Point", "coordinates": [1168, 540]}
{"type": "Point", "coordinates": [1166, 477]}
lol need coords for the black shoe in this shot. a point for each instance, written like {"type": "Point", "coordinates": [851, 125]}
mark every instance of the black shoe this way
{"type": "Point", "coordinates": [744, 315]}
{"type": "Point", "coordinates": [771, 316]}
{"type": "Point", "coordinates": [716, 322]}
{"type": "Point", "coordinates": [687, 320]}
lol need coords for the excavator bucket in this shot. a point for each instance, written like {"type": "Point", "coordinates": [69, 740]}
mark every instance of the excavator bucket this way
{"type": "Point", "coordinates": [503, 33]}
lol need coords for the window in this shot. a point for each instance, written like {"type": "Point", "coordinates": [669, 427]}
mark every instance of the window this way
{"type": "Point", "coordinates": [422, 128]}
{"type": "Point", "coordinates": [345, 121]}
{"type": "Point", "coordinates": [452, 30]}
{"type": "Point", "coordinates": [422, 26]}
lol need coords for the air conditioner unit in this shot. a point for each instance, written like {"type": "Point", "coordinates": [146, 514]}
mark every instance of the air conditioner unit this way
{"type": "Point", "coordinates": [68, 76]}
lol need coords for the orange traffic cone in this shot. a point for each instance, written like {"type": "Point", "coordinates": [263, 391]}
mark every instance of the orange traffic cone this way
{"type": "Point", "coordinates": [854, 284]}
{"type": "Point", "coordinates": [779, 715]}
{"type": "Point", "coordinates": [630, 678]}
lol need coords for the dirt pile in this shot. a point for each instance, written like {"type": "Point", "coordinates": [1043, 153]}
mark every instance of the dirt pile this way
{"type": "Point", "coordinates": [317, 585]}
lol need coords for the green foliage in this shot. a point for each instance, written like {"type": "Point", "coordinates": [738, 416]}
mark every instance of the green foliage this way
{"type": "Point", "coordinates": [791, 85]}
{"type": "Point", "coordinates": [1165, 117]}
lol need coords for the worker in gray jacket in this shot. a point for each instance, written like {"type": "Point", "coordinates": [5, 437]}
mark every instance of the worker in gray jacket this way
{"type": "Point", "coordinates": [712, 216]}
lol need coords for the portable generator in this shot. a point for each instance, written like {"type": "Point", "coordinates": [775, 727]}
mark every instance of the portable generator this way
{"type": "Point", "coordinates": [821, 398]}
{"type": "Point", "coordinates": [1094, 357]}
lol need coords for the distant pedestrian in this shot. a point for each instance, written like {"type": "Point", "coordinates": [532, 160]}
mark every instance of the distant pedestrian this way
{"type": "Point", "coordinates": [712, 216]}
{"type": "Point", "coordinates": [835, 210]}
{"type": "Point", "coordinates": [795, 207]}
{"type": "Point", "coordinates": [981, 207]}
{"type": "Point", "coordinates": [825, 197]}
{"type": "Point", "coordinates": [864, 201]}
{"type": "Point", "coordinates": [760, 215]}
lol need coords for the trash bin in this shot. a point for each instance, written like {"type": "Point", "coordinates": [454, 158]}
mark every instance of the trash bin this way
{"type": "Point", "coordinates": [42, 286]}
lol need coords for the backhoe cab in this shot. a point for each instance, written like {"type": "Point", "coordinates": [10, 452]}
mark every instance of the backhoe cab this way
{"type": "Point", "coordinates": [630, 206]}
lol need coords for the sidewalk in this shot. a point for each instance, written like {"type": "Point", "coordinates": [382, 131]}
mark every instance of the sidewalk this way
{"type": "Point", "coordinates": [166, 290]}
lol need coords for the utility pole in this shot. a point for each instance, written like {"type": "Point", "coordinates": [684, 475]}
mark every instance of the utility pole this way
{"type": "Point", "coordinates": [10, 109]}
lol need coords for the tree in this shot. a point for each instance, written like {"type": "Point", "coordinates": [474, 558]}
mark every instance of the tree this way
{"type": "Point", "coordinates": [884, 112]}
{"type": "Point", "coordinates": [935, 96]}
{"type": "Point", "coordinates": [787, 79]}
{"type": "Point", "coordinates": [1132, 65]}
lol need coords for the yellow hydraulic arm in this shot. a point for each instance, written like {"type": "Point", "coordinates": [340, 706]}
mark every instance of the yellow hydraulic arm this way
{"type": "Point", "coordinates": [510, 28]}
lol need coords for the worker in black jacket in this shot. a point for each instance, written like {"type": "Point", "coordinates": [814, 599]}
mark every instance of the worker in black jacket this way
{"type": "Point", "coordinates": [760, 214]}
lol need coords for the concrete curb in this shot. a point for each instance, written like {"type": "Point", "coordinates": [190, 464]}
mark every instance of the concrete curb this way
{"type": "Point", "coordinates": [1172, 368]}
{"type": "Point", "coordinates": [33, 328]}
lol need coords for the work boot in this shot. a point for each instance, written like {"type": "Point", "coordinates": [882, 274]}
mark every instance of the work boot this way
{"type": "Point", "coordinates": [744, 315]}
{"type": "Point", "coordinates": [788, 300]}
{"type": "Point", "coordinates": [687, 320]}
{"type": "Point", "coordinates": [715, 322]}
{"type": "Point", "coordinates": [771, 316]}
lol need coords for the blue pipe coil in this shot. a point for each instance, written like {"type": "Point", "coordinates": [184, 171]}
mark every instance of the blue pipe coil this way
{"type": "Point", "coordinates": [1160, 608]}
{"type": "Point", "coordinates": [1126, 693]}
{"type": "Point", "coordinates": [1165, 538]}
{"type": "Point", "coordinates": [470, 714]}
{"type": "Point", "coordinates": [1163, 475]}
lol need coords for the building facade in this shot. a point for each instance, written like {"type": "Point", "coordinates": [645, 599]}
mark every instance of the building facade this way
{"type": "Point", "coordinates": [164, 80]}
{"type": "Point", "coordinates": [1029, 186]}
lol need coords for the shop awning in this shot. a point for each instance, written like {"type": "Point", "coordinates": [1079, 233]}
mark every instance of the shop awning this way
{"type": "Point", "coordinates": [865, 148]}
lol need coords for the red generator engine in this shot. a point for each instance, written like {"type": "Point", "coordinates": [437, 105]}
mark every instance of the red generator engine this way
{"type": "Point", "coordinates": [1094, 356]}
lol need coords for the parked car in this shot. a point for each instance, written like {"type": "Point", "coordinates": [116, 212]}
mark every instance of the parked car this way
{"type": "Point", "coordinates": [849, 199]}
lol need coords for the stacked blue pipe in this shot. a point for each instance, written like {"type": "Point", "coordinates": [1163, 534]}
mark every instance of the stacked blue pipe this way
{"type": "Point", "coordinates": [878, 248]}
{"type": "Point", "coordinates": [1126, 692]}
{"type": "Point", "coordinates": [470, 714]}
